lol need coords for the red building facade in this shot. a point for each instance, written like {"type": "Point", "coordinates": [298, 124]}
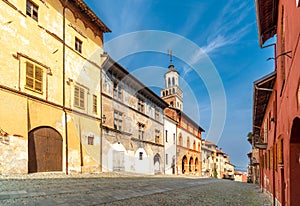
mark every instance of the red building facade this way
{"type": "Point", "coordinates": [276, 108]}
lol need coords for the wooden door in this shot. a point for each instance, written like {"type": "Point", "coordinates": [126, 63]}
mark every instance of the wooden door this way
{"type": "Point", "coordinates": [44, 150]}
{"type": "Point", "coordinates": [118, 161]}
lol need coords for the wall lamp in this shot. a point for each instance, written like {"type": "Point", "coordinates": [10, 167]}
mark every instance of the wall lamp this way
{"type": "Point", "coordinates": [103, 119]}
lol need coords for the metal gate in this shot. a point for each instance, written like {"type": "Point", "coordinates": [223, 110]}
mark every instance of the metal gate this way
{"type": "Point", "coordinates": [44, 150]}
{"type": "Point", "coordinates": [118, 161]}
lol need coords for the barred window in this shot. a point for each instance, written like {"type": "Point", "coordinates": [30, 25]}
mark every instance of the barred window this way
{"type": "Point", "coordinates": [90, 140]}
{"type": "Point", "coordinates": [34, 77]}
{"type": "Point", "coordinates": [118, 120]}
{"type": "Point", "coordinates": [79, 96]}
{"type": "Point", "coordinates": [78, 45]}
{"type": "Point", "coordinates": [32, 10]}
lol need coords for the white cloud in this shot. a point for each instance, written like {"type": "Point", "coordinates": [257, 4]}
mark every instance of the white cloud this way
{"type": "Point", "coordinates": [228, 28]}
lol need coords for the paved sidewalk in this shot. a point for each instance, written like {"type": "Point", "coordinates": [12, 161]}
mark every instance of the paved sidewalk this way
{"type": "Point", "coordinates": [122, 189]}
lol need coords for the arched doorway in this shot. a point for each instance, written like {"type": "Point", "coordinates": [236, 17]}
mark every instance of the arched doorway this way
{"type": "Point", "coordinates": [184, 165]}
{"type": "Point", "coordinates": [295, 163]}
{"type": "Point", "coordinates": [116, 157]}
{"type": "Point", "coordinates": [196, 165]}
{"type": "Point", "coordinates": [44, 150]}
{"type": "Point", "coordinates": [156, 164]}
{"type": "Point", "coordinates": [191, 165]}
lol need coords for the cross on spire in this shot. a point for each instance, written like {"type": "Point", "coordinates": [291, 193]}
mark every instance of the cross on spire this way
{"type": "Point", "coordinates": [170, 54]}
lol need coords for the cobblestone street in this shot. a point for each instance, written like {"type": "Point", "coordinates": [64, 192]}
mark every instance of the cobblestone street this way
{"type": "Point", "coordinates": [115, 189]}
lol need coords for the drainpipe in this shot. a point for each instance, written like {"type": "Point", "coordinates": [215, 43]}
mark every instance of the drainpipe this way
{"type": "Point", "coordinates": [275, 127]}
{"type": "Point", "coordinates": [101, 111]}
{"type": "Point", "coordinates": [64, 85]}
{"type": "Point", "coordinates": [164, 142]}
{"type": "Point", "coordinates": [176, 166]}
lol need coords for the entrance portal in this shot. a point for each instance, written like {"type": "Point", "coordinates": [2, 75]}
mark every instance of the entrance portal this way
{"type": "Point", "coordinates": [295, 163]}
{"type": "Point", "coordinates": [44, 150]}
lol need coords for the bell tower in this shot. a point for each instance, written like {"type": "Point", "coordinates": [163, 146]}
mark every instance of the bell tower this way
{"type": "Point", "coordinates": [172, 94]}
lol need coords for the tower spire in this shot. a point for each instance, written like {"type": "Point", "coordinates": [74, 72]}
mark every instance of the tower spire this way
{"type": "Point", "coordinates": [172, 93]}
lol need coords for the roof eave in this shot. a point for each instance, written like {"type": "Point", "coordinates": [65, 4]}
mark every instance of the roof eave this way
{"type": "Point", "coordinates": [110, 63]}
{"type": "Point", "coordinates": [258, 23]}
{"type": "Point", "coordinates": [256, 105]}
{"type": "Point", "coordinates": [266, 10]}
{"type": "Point", "coordinates": [91, 15]}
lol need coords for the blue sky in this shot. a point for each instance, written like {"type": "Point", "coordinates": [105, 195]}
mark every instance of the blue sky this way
{"type": "Point", "coordinates": [226, 32]}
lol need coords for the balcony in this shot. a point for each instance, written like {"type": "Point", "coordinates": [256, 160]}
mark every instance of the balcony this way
{"type": "Point", "coordinates": [259, 143]}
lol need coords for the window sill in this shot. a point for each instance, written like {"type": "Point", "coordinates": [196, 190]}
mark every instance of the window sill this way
{"type": "Point", "coordinates": [33, 90]}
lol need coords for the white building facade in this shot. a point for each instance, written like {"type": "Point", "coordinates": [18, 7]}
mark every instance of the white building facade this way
{"type": "Point", "coordinates": [170, 139]}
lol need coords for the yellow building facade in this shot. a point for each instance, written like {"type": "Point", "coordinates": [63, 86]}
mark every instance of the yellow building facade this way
{"type": "Point", "coordinates": [50, 74]}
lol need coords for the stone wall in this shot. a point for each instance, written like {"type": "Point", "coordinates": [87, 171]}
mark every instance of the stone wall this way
{"type": "Point", "coordinates": [14, 155]}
